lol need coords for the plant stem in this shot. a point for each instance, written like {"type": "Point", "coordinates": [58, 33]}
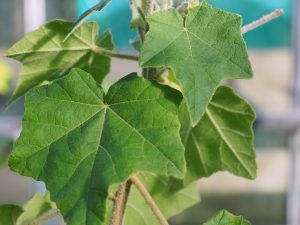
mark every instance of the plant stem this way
{"type": "Point", "coordinates": [194, 3]}
{"type": "Point", "coordinates": [106, 52]}
{"type": "Point", "coordinates": [166, 81]}
{"type": "Point", "coordinates": [46, 218]}
{"type": "Point", "coordinates": [120, 204]}
{"type": "Point", "coordinates": [142, 189]}
{"type": "Point", "coordinates": [149, 7]}
{"type": "Point", "coordinates": [262, 21]}
{"type": "Point", "coordinates": [138, 8]}
{"type": "Point", "coordinates": [141, 34]}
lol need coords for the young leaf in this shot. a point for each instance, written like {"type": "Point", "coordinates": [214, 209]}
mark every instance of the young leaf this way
{"type": "Point", "coordinates": [9, 214]}
{"type": "Point", "coordinates": [80, 141]}
{"type": "Point", "coordinates": [226, 218]}
{"type": "Point", "coordinates": [203, 49]}
{"type": "Point", "coordinates": [46, 57]}
{"type": "Point", "coordinates": [171, 204]}
{"type": "Point", "coordinates": [222, 140]}
{"type": "Point", "coordinates": [35, 208]}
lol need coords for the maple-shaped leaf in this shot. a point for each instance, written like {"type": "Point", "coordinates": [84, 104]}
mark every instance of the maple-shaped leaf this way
{"type": "Point", "coordinates": [202, 49]}
{"type": "Point", "coordinates": [226, 218]}
{"type": "Point", "coordinates": [222, 140]}
{"type": "Point", "coordinates": [80, 141]}
{"type": "Point", "coordinates": [45, 56]}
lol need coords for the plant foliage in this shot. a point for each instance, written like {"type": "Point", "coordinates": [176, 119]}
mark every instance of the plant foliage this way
{"type": "Point", "coordinates": [85, 144]}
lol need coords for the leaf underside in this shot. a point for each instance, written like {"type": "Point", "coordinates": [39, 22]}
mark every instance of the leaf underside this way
{"type": "Point", "coordinates": [222, 140]}
{"type": "Point", "coordinates": [202, 50]}
{"type": "Point", "coordinates": [80, 141]}
{"type": "Point", "coordinates": [226, 218]}
{"type": "Point", "coordinates": [45, 57]}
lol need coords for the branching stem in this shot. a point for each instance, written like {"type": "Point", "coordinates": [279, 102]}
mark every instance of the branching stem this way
{"type": "Point", "coordinates": [46, 218]}
{"type": "Point", "coordinates": [120, 204]}
{"type": "Point", "coordinates": [142, 189]}
{"type": "Point", "coordinates": [265, 19]}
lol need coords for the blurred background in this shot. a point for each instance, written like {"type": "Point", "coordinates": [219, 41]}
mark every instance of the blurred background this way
{"type": "Point", "coordinates": [273, 198]}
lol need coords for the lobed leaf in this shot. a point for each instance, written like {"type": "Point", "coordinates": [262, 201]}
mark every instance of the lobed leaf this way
{"type": "Point", "coordinates": [202, 49]}
{"type": "Point", "coordinates": [226, 218]}
{"type": "Point", "coordinates": [222, 140]}
{"type": "Point", "coordinates": [45, 57]}
{"type": "Point", "coordinates": [80, 141]}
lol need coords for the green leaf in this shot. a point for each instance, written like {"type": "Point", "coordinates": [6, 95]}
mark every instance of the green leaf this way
{"type": "Point", "coordinates": [9, 214]}
{"type": "Point", "coordinates": [222, 140]}
{"type": "Point", "coordinates": [80, 141]}
{"type": "Point", "coordinates": [32, 210]}
{"type": "Point", "coordinates": [203, 49]}
{"type": "Point", "coordinates": [226, 218]}
{"type": "Point", "coordinates": [35, 208]}
{"type": "Point", "coordinates": [138, 10]}
{"type": "Point", "coordinates": [85, 15]}
{"type": "Point", "coordinates": [5, 78]}
{"type": "Point", "coordinates": [171, 204]}
{"type": "Point", "coordinates": [46, 57]}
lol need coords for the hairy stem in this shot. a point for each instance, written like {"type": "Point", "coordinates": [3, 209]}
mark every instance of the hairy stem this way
{"type": "Point", "coordinates": [142, 189]}
{"type": "Point", "coordinates": [194, 3]}
{"type": "Point", "coordinates": [46, 218]}
{"type": "Point", "coordinates": [109, 53]}
{"type": "Point", "coordinates": [149, 8]}
{"type": "Point", "coordinates": [120, 204]}
{"type": "Point", "coordinates": [139, 9]}
{"type": "Point", "coordinates": [265, 19]}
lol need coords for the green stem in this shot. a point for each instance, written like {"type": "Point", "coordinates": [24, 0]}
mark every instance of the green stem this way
{"type": "Point", "coordinates": [169, 83]}
{"type": "Point", "coordinates": [120, 204]}
{"type": "Point", "coordinates": [109, 53]}
{"type": "Point", "coordinates": [141, 34]}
